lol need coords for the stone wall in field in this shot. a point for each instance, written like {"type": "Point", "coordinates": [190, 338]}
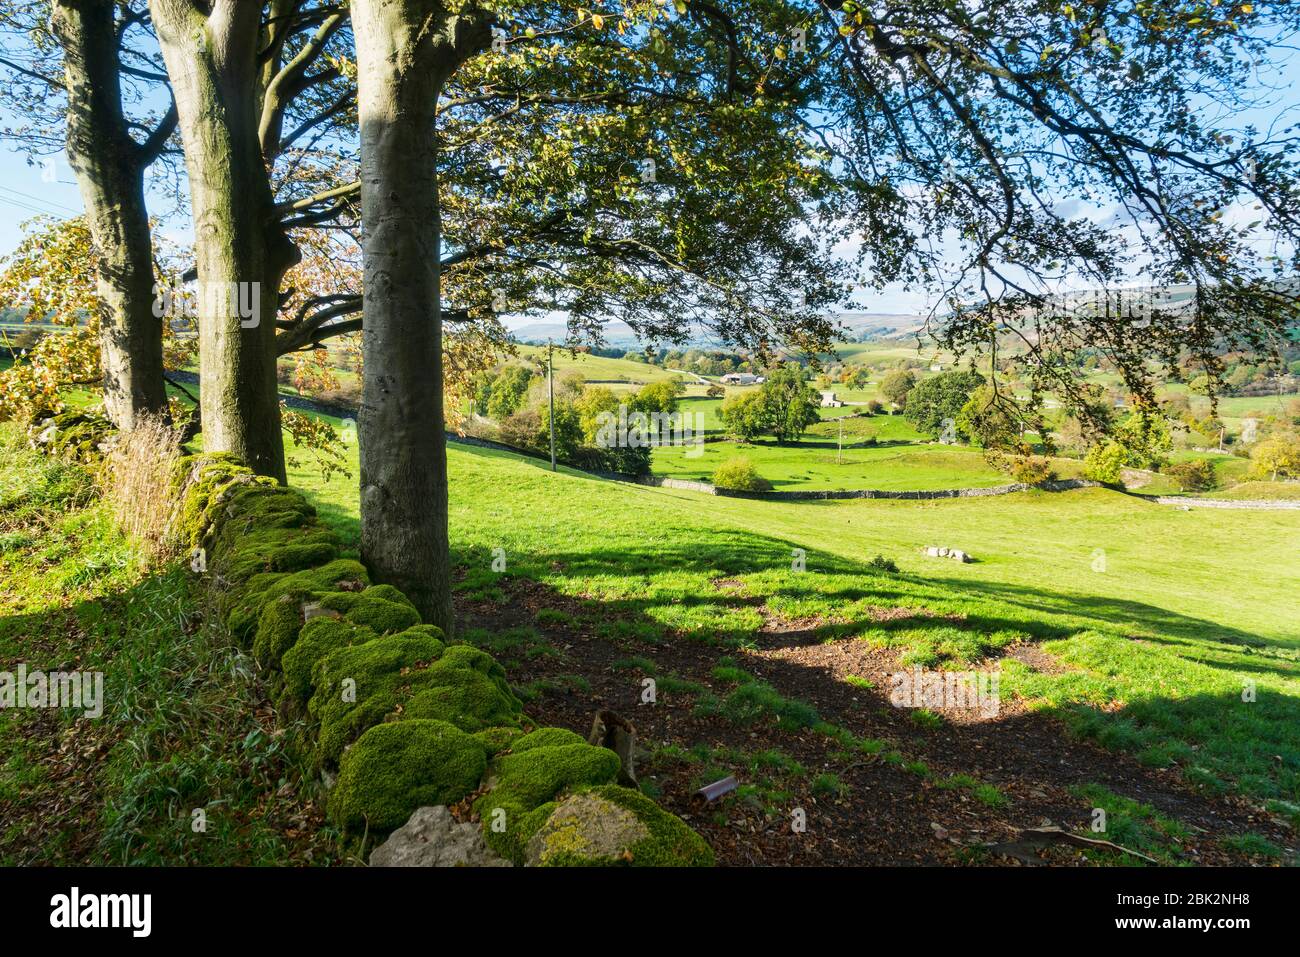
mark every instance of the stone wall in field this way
{"type": "Point", "coordinates": [396, 716]}
{"type": "Point", "coordinates": [797, 495]}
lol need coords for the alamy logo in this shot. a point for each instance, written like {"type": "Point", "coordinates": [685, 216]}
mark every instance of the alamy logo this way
{"type": "Point", "coordinates": [79, 690]}
{"type": "Point", "coordinates": [236, 300]}
{"type": "Point", "coordinates": [134, 911]}
{"type": "Point", "coordinates": [947, 690]}
{"type": "Point", "coordinates": [640, 430]}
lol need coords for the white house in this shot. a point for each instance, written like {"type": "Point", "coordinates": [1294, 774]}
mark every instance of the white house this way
{"type": "Point", "coordinates": [741, 378]}
{"type": "Point", "coordinates": [829, 401]}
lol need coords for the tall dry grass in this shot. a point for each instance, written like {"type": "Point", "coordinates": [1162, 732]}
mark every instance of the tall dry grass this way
{"type": "Point", "coordinates": [136, 479]}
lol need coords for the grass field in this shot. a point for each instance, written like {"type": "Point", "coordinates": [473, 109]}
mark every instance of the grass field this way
{"type": "Point", "coordinates": [1151, 618]}
{"type": "Point", "coordinates": [597, 368]}
{"type": "Point", "coordinates": [1124, 633]}
{"type": "Point", "coordinates": [185, 723]}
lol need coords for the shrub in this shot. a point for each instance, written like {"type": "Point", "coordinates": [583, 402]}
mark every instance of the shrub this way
{"type": "Point", "coordinates": [1032, 469]}
{"type": "Point", "coordinates": [1104, 463]}
{"type": "Point", "coordinates": [881, 563]}
{"type": "Point", "coordinates": [875, 407]}
{"type": "Point", "coordinates": [1193, 476]}
{"type": "Point", "coordinates": [739, 473]}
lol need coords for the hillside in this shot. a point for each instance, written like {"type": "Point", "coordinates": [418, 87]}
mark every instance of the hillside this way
{"type": "Point", "coordinates": [1132, 671]}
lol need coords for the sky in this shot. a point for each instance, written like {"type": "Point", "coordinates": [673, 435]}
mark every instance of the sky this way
{"type": "Point", "coordinates": [30, 186]}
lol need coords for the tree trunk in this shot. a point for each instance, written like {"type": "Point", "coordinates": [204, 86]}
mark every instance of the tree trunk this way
{"type": "Point", "coordinates": [241, 251]}
{"type": "Point", "coordinates": [406, 49]}
{"type": "Point", "coordinates": [110, 171]}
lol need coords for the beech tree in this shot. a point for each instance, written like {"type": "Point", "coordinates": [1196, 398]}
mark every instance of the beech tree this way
{"type": "Point", "coordinates": [1030, 149]}
{"type": "Point", "coordinates": [109, 149]}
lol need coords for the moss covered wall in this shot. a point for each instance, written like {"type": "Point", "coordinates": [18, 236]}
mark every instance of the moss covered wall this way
{"type": "Point", "coordinates": [398, 717]}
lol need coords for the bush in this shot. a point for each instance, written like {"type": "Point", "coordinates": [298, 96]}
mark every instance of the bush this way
{"type": "Point", "coordinates": [1032, 469]}
{"type": "Point", "coordinates": [1104, 463]}
{"type": "Point", "coordinates": [738, 473]}
{"type": "Point", "coordinates": [1194, 476]}
{"type": "Point", "coordinates": [875, 407]}
{"type": "Point", "coordinates": [881, 563]}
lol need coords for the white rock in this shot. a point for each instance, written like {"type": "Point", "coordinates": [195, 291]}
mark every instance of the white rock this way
{"type": "Point", "coordinates": [433, 838]}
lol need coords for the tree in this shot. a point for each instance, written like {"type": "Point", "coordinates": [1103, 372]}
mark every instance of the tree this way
{"type": "Point", "coordinates": [934, 404]}
{"type": "Point", "coordinates": [1145, 438]}
{"type": "Point", "coordinates": [658, 397]}
{"type": "Point", "coordinates": [213, 57]}
{"type": "Point", "coordinates": [110, 166]}
{"type": "Point", "coordinates": [509, 389]}
{"type": "Point", "coordinates": [66, 82]}
{"type": "Point", "coordinates": [406, 51]}
{"type": "Point", "coordinates": [1056, 144]}
{"type": "Point", "coordinates": [896, 384]}
{"type": "Point", "coordinates": [789, 403]}
{"type": "Point", "coordinates": [989, 418]}
{"type": "Point", "coordinates": [744, 416]}
{"type": "Point", "coordinates": [1276, 456]}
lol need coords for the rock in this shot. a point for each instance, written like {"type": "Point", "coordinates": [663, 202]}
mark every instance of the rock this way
{"type": "Point", "coordinates": [588, 827]}
{"type": "Point", "coordinates": [433, 838]}
{"type": "Point", "coordinates": [932, 551]}
{"type": "Point", "coordinates": [314, 609]}
{"type": "Point", "coordinates": [958, 554]}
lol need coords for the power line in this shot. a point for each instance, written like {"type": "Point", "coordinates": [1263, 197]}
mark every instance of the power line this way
{"type": "Point", "coordinates": [37, 199]}
{"type": "Point", "coordinates": [29, 208]}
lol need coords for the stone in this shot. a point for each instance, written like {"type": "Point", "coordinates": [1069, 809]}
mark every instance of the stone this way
{"type": "Point", "coordinates": [958, 554]}
{"type": "Point", "coordinates": [586, 827]}
{"type": "Point", "coordinates": [433, 838]}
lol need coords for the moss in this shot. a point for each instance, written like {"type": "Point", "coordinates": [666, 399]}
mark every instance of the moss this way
{"type": "Point", "coordinates": [276, 550]}
{"type": "Point", "coordinates": [76, 434]}
{"type": "Point", "coordinates": [374, 609]}
{"type": "Point", "coordinates": [466, 687]}
{"type": "Point", "coordinates": [389, 593]}
{"type": "Point", "coordinates": [547, 738]}
{"type": "Point", "coordinates": [395, 768]}
{"type": "Point", "coordinates": [317, 638]}
{"type": "Point", "coordinates": [278, 627]}
{"type": "Point", "coordinates": [197, 479]}
{"type": "Point", "coordinates": [671, 843]}
{"type": "Point", "coordinates": [497, 740]}
{"type": "Point", "coordinates": [245, 602]}
{"type": "Point", "coordinates": [382, 671]}
{"type": "Point", "coordinates": [525, 780]}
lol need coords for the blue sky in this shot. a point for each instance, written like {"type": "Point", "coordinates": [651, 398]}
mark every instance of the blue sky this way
{"type": "Point", "coordinates": [48, 186]}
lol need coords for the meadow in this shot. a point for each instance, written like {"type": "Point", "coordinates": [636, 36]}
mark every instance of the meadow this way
{"type": "Point", "coordinates": [1112, 621]}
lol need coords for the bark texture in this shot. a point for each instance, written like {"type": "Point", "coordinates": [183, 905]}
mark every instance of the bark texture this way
{"type": "Point", "coordinates": [406, 50]}
{"type": "Point", "coordinates": [240, 247]}
{"type": "Point", "coordinates": [110, 169]}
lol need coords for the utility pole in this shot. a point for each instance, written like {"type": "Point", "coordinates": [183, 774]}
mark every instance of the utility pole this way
{"type": "Point", "coordinates": [550, 393]}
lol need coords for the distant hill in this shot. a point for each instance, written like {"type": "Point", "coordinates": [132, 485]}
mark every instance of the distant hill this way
{"type": "Point", "coordinates": [858, 324]}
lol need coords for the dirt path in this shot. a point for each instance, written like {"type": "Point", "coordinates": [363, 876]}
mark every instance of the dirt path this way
{"type": "Point", "coordinates": [874, 809]}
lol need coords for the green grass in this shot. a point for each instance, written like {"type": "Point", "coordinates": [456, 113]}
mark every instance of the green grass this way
{"type": "Point", "coordinates": [185, 725]}
{"type": "Point", "coordinates": [598, 368]}
{"type": "Point", "coordinates": [1156, 646]}
{"type": "Point", "coordinates": [815, 464]}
